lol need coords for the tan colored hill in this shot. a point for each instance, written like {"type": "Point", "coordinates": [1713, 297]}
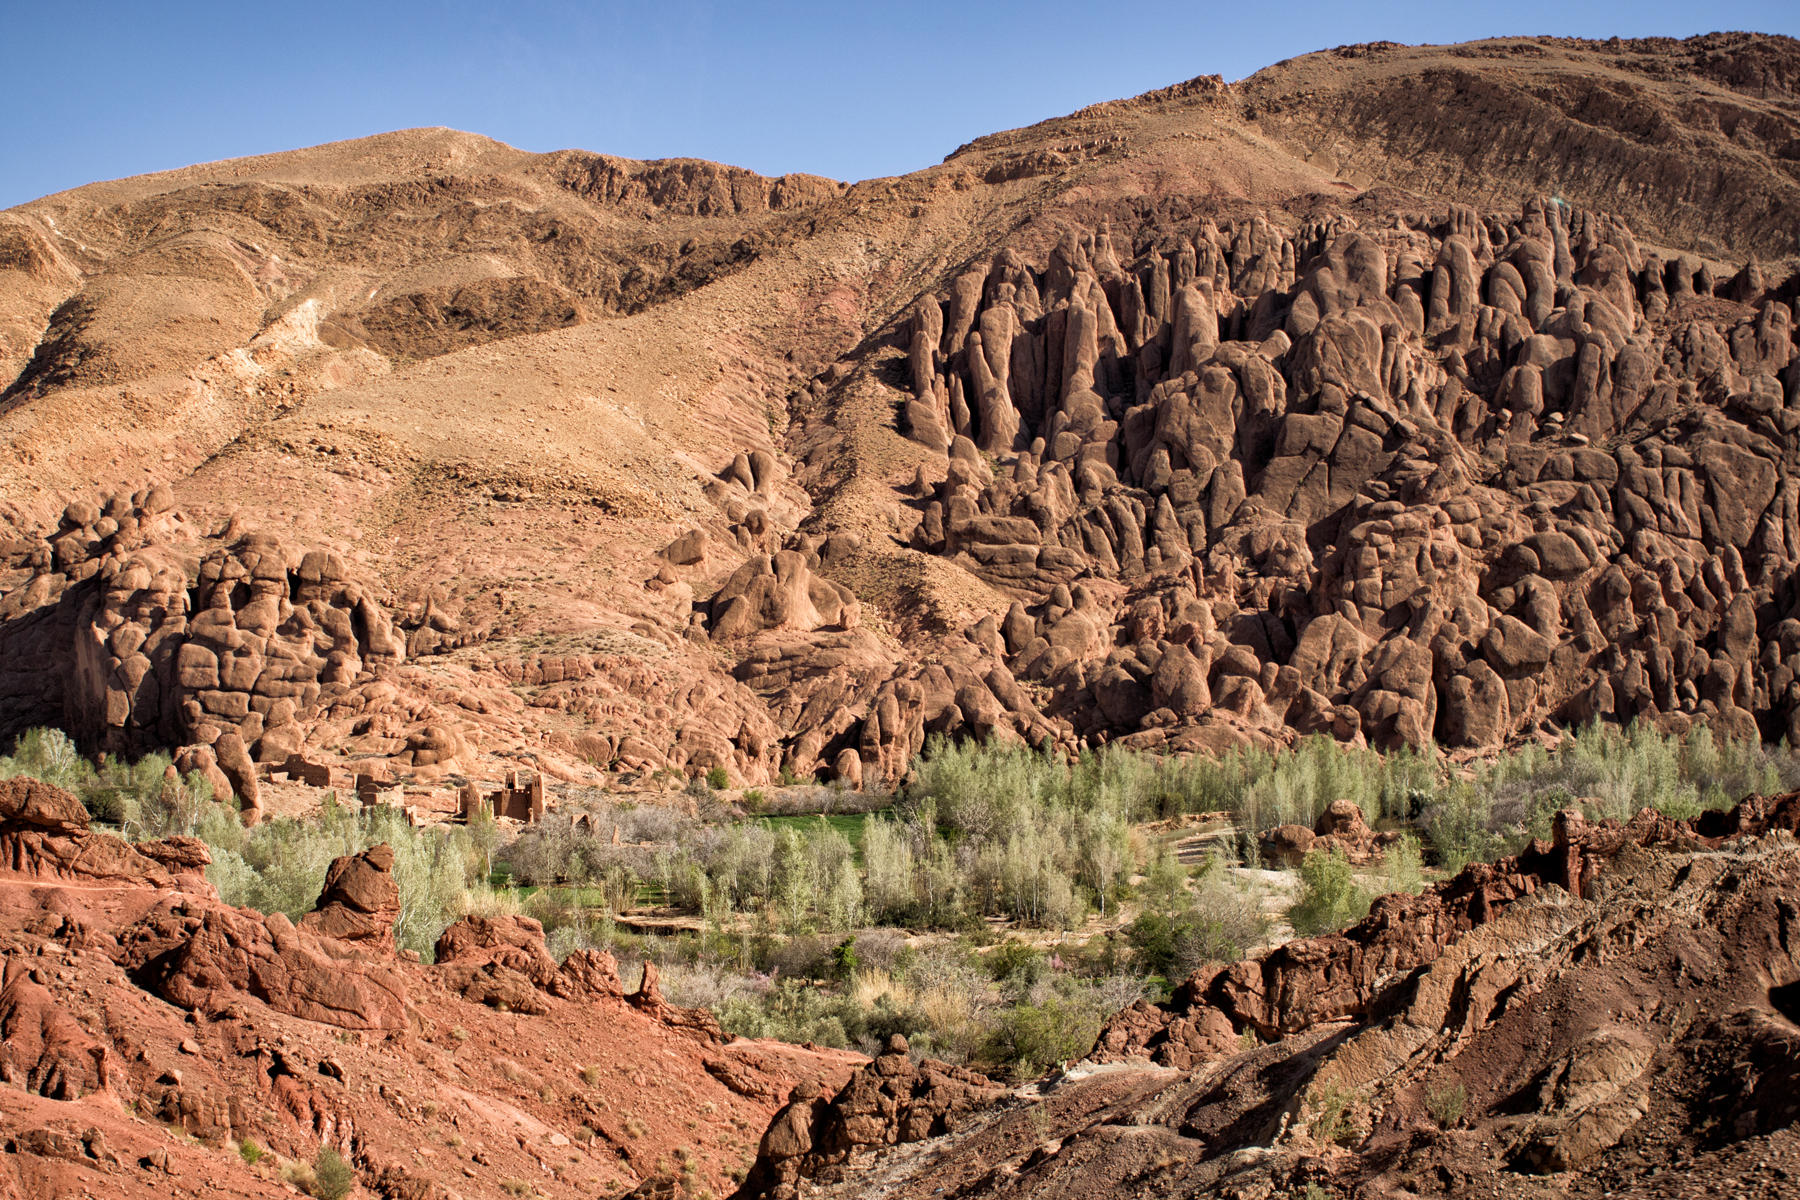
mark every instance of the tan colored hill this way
{"type": "Point", "coordinates": [1398, 393]}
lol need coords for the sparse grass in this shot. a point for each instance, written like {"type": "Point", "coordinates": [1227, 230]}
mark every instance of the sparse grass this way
{"type": "Point", "coordinates": [1331, 1121]}
{"type": "Point", "coordinates": [300, 1176]}
{"type": "Point", "coordinates": [1446, 1103]}
{"type": "Point", "coordinates": [515, 1073]}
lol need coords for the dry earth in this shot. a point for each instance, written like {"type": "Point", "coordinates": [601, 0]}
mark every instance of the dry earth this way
{"type": "Point", "coordinates": [1395, 393]}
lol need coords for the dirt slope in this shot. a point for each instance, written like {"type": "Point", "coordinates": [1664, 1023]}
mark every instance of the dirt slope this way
{"type": "Point", "coordinates": [1217, 414]}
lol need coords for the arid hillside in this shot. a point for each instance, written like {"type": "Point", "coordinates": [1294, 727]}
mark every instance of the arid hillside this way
{"type": "Point", "coordinates": [148, 1027]}
{"type": "Point", "coordinates": [1396, 393]}
{"type": "Point", "coordinates": [1392, 396]}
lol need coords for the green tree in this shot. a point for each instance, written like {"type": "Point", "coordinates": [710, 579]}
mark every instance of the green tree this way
{"type": "Point", "coordinates": [1330, 898]}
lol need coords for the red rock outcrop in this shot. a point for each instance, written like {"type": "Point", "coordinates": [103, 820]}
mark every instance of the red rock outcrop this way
{"type": "Point", "coordinates": [44, 835]}
{"type": "Point", "coordinates": [206, 958]}
{"type": "Point", "coordinates": [891, 1101]}
{"type": "Point", "coordinates": [697, 1023]}
{"type": "Point", "coordinates": [360, 902]}
{"type": "Point", "coordinates": [1309, 981]}
{"type": "Point", "coordinates": [502, 962]}
{"type": "Point", "coordinates": [1341, 828]}
{"type": "Point", "coordinates": [161, 1010]}
{"type": "Point", "coordinates": [42, 1048]}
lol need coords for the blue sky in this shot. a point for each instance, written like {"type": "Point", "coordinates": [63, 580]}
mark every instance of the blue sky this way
{"type": "Point", "coordinates": [96, 90]}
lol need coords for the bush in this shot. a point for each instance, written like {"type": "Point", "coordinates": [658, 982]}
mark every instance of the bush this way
{"type": "Point", "coordinates": [1609, 772]}
{"type": "Point", "coordinates": [1403, 869]}
{"type": "Point", "coordinates": [1459, 828]}
{"type": "Point", "coordinates": [1331, 1114]}
{"type": "Point", "coordinates": [1217, 922]}
{"type": "Point", "coordinates": [332, 1176]}
{"type": "Point", "coordinates": [1330, 898]}
{"type": "Point", "coordinates": [1016, 965]}
{"type": "Point", "coordinates": [138, 797]}
{"type": "Point", "coordinates": [250, 1152]}
{"type": "Point", "coordinates": [844, 960]}
{"type": "Point", "coordinates": [717, 779]}
{"type": "Point", "coordinates": [1032, 1038]}
{"type": "Point", "coordinates": [1446, 1103]}
{"type": "Point", "coordinates": [49, 755]}
{"type": "Point", "coordinates": [1295, 788]}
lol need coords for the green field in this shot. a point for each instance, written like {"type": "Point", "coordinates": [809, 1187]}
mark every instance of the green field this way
{"type": "Point", "coordinates": [851, 825]}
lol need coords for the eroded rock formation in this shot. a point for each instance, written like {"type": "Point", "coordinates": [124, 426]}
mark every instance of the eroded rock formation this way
{"type": "Point", "coordinates": [1346, 478]}
{"type": "Point", "coordinates": [891, 1101]}
{"type": "Point", "coordinates": [1269, 449]}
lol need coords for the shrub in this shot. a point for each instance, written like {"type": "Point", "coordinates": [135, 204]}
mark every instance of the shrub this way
{"type": "Point", "coordinates": [1217, 922]}
{"type": "Point", "coordinates": [1446, 1103]}
{"type": "Point", "coordinates": [795, 1012]}
{"type": "Point", "coordinates": [845, 960]}
{"type": "Point", "coordinates": [1297, 786]}
{"type": "Point", "coordinates": [1403, 869]}
{"type": "Point", "coordinates": [332, 1176]}
{"type": "Point", "coordinates": [717, 779]}
{"type": "Point", "coordinates": [1459, 827]}
{"type": "Point", "coordinates": [1016, 964]}
{"type": "Point", "coordinates": [1031, 1038]}
{"type": "Point", "coordinates": [300, 1175]}
{"type": "Point", "coordinates": [1330, 898]}
{"type": "Point", "coordinates": [250, 1152]}
{"type": "Point", "coordinates": [49, 755]}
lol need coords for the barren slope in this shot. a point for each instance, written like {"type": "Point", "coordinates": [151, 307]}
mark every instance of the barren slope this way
{"type": "Point", "coordinates": [1205, 416]}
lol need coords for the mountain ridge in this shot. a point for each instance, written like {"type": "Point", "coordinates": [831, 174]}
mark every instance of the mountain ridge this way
{"type": "Point", "coordinates": [379, 347]}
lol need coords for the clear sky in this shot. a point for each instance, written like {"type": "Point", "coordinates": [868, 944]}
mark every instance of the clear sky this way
{"type": "Point", "coordinates": [848, 89]}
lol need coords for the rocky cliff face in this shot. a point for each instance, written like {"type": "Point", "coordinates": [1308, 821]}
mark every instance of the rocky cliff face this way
{"type": "Point", "coordinates": [1225, 413]}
